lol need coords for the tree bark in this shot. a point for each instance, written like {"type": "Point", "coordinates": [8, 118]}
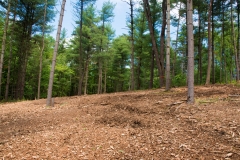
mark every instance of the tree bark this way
{"type": "Point", "coordinates": [162, 42]}
{"type": "Point", "coordinates": [81, 74]}
{"type": "Point", "coordinates": [154, 44]}
{"type": "Point", "coordinates": [132, 47]}
{"type": "Point", "coordinates": [176, 43]}
{"type": "Point", "coordinates": [86, 77]}
{"type": "Point", "coordinates": [41, 53]}
{"type": "Point", "coordinates": [105, 81]}
{"type": "Point", "coordinates": [4, 44]}
{"type": "Point", "coordinates": [223, 57]}
{"type": "Point", "coordinates": [234, 43]}
{"type": "Point", "coordinates": [190, 76]}
{"type": "Point", "coordinates": [168, 48]}
{"type": "Point", "coordinates": [10, 54]}
{"type": "Point", "coordinates": [99, 76]}
{"type": "Point", "coordinates": [50, 85]}
{"type": "Point", "coordinates": [151, 70]}
{"type": "Point", "coordinates": [238, 39]}
{"type": "Point", "coordinates": [213, 56]}
{"type": "Point", "coordinates": [200, 38]}
{"type": "Point", "coordinates": [209, 44]}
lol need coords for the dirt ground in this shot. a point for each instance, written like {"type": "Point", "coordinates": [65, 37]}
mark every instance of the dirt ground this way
{"type": "Point", "coordinates": [140, 125]}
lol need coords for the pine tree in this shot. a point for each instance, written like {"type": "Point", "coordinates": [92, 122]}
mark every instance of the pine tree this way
{"type": "Point", "coordinates": [168, 48]}
{"type": "Point", "coordinates": [4, 44]}
{"type": "Point", "coordinates": [50, 85]}
{"type": "Point", "coordinates": [190, 75]}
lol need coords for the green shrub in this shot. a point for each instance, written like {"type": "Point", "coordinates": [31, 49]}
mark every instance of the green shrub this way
{"type": "Point", "coordinates": [179, 80]}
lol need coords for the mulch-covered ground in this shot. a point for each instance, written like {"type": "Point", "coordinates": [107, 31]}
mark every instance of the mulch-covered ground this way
{"type": "Point", "coordinates": [140, 125]}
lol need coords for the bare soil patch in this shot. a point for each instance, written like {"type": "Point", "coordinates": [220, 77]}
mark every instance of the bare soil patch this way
{"type": "Point", "coordinates": [149, 124]}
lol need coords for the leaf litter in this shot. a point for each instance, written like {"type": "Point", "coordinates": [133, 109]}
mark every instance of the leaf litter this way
{"type": "Point", "coordinates": [149, 124]}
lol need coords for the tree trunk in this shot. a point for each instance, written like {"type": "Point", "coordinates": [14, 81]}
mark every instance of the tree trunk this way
{"type": "Point", "coordinates": [139, 72]}
{"type": "Point", "coordinates": [234, 44]}
{"type": "Point", "coordinates": [168, 48]}
{"type": "Point", "coordinates": [132, 47]}
{"type": "Point", "coordinates": [213, 56]}
{"type": "Point", "coordinates": [190, 76]}
{"type": "Point", "coordinates": [81, 74]}
{"type": "Point", "coordinates": [50, 85]}
{"type": "Point", "coordinates": [154, 44]}
{"type": "Point", "coordinates": [9, 67]}
{"type": "Point", "coordinates": [209, 44]}
{"type": "Point", "coordinates": [105, 81]}
{"type": "Point", "coordinates": [151, 70]}
{"type": "Point", "coordinates": [100, 61]}
{"type": "Point", "coordinates": [99, 76]}
{"type": "Point", "coordinates": [41, 54]}
{"type": "Point", "coordinates": [176, 43]}
{"type": "Point", "coordinates": [86, 78]}
{"type": "Point", "coordinates": [162, 42]}
{"type": "Point", "coordinates": [10, 54]}
{"type": "Point", "coordinates": [4, 45]}
{"type": "Point", "coordinates": [238, 40]}
{"type": "Point", "coordinates": [223, 57]}
{"type": "Point", "coordinates": [200, 49]}
{"type": "Point", "coordinates": [22, 63]}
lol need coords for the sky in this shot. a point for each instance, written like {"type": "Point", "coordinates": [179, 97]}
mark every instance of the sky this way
{"type": "Point", "coordinates": [118, 24]}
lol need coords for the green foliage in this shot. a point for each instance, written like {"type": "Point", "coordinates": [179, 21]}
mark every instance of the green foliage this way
{"type": "Point", "coordinates": [179, 80]}
{"type": "Point", "coordinates": [33, 67]}
{"type": "Point", "coordinates": [119, 74]}
{"type": "Point", "coordinates": [101, 50]}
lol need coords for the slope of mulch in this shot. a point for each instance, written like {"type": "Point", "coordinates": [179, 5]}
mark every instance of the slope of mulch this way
{"type": "Point", "coordinates": [149, 124]}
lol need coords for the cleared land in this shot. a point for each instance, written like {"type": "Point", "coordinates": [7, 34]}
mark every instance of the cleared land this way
{"type": "Point", "coordinates": [149, 124]}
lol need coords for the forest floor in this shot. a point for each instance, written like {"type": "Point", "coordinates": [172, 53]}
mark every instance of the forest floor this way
{"type": "Point", "coordinates": [141, 125]}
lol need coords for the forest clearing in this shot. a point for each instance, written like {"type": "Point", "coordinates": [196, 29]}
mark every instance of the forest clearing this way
{"type": "Point", "coordinates": [147, 124]}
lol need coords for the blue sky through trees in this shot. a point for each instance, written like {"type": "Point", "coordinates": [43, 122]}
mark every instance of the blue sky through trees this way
{"type": "Point", "coordinates": [118, 24]}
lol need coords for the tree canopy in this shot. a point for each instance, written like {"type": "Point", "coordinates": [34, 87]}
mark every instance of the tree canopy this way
{"type": "Point", "coordinates": [94, 60]}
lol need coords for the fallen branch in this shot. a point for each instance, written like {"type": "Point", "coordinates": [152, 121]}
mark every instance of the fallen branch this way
{"type": "Point", "coordinates": [206, 101]}
{"type": "Point", "coordinates": [234, 95]}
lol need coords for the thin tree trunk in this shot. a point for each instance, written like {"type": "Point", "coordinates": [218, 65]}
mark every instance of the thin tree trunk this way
{"type": "Point", "coordinates": [99, 76]}
{"type": "Point", "coordinates": [209, 44]}
{"type": "Point", "coordinates": [231, 66]}
{"type": "Point", "coordinates": [238, 41]}
{"type": "Point", "coordinates": [86, 78]}
{"type": "Point", "coordinates": [234, 44]}
{"type": "Point", "coordinates": [200, 38]}
{"type": "Point", "coordinates": [162, 42]}
{"type": "Point", "coordinates": [223, 57]}
{"type": "Point", "coordinates": [139, 72]}
{"type": "Point", "coordinates": [176, 44]}
{"type": "Point", "coordinates": [80, 53]}
{"type": "Point", "coordinates": [190, 76]}
{"type": "Point", "coordinates": [225, 69]}
{"type": "Point", "coordinates": [132, 47]}
{"type": "Point", "coordinates": [213, 56]}
{"type": "Point", "coordinates": [100, 61]}
{"type": "Point", "coordinates": [105, 81]}
{"type": "Point", "coordinates": [152, 70]}
{"type": "Point", "coordinates": [154, 44]}
{"type": "Point", "coordinates": [10, 54]}
{"type": "Point", "coordinates": [152, 62]}
{"type": "Point", "coordinates": [4, 45]}
{"type": "Point", "coordinates": [139, 84]}
{"type": "Point", "coordinates": [50, 85]}
{"type": "Point", "coordinates": [168, 48]}
{"type": "Point", "coordinates": [9, 68]}
{"type": "Point", "coordinates": [41, 54]}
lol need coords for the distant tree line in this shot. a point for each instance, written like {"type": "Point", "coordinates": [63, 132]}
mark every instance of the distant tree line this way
{"type": "Point", "coordinates": [95, 61]}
